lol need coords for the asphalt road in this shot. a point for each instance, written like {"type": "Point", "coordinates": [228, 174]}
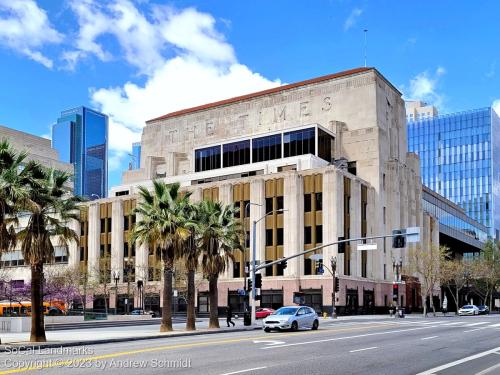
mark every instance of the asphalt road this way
{"type": "Point", "coordinates": [441, 346]}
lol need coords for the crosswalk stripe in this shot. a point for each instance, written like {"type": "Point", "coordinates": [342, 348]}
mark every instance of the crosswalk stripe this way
{"type": "Point", "coordinates": [475, 324]}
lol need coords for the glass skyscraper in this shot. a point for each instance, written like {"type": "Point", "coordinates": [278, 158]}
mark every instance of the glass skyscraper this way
{"type": "Point", "coordinates": [81, 137]}
{"type": "Point", "coordinates": [135, 162]}
{"type": "Point", "coordinates": [460, 159]}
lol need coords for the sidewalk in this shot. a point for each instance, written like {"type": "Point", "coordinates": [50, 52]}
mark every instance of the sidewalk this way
{"type": "Point", "coordinates": [64, 338]}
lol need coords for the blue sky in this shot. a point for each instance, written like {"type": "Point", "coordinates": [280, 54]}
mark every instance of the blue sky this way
{"type": "Point", "coordinates": [135, 60]}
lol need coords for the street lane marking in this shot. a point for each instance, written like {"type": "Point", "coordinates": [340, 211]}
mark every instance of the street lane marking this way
{"type": "Point", "coordinates": [451, 324]}
{"type": "Point", "coordinates": [489, 369]}
{"type": "Point", "coordinates": [247, 370]}
{"type": "Point", "coordinates": [428, 338]}
{"type": "Point", "coordinates": [459, 362]}
{"type": "Point", "coordinates": [268, 342]}
{"type": "Point", "coordinates": [494, 325]}
{"type": "Point", "coordinates": [360, 350]}
{"type": "Point", "coordinates": [475, 324]}
{"type": "Point", "coordinates": [475, 329]}
{"type": "Point", "coordinates": [74, 361]}
{"type": "Point", "coordinates": [343, 338]}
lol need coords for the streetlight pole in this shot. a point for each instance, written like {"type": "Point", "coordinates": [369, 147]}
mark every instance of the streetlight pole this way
{"type": "Point", "coordinates": [254, 256]}
{"type": "Point", "coordinates": [127, 269]}
{"type": "Point", "coordinates": [116, 277]}
{"type": "Point", "coordinates": [333, 264]}
{"type": "Point", "coordinates": [245, 306]}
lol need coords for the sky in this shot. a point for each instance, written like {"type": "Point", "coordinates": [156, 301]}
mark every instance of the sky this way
{"type": "Point", "coordinates": [136, 60]}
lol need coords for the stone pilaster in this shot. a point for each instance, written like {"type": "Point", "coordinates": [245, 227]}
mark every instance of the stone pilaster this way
{"type": "Point", "coordinates": [117, 239]}
{"type": "Point", "coordinates": [333, 212]}
{"type": "Point", "coordinates": [94, 241]}
{"type": "Point", "coordinates": [257, 195]}
{"type": "Point", "coordinates": [74, 246]}
{"type": "Point", "coordinates": [294, 222]}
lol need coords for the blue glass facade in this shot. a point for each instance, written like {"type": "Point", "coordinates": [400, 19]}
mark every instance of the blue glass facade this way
{"type": "Point", "coordinates": [460, 159]}
{"type": "Point", "coordinates": [81, 137]}
{"type": "Point", "coordinates": [136, 155]}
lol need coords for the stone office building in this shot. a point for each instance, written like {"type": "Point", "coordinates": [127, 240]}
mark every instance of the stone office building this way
{"type": "Point", "coordinates": [330, 152]}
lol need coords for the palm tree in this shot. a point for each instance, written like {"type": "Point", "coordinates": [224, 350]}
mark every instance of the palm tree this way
{"type": "Point", "coordinates": [162, 222]}
{"type": "Point", "coordinates": [191, 254]}
{"type": "Point", "coordinates": [13, 191]}
{"type": "Point", "coordinates": [218, 235]}
{"type": "Point", "coordinates": [48, 214]}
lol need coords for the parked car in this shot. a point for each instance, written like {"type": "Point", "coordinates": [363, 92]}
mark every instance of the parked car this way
{"type": "Point", "coordinates": [261, 313]}
{"type": "Point", "coordinates": [483, 310]}
{"type": "Point", "coordinates": [54, 311]}
{"type": "Point", "coordinates": [468, 310]}
{"type": "Point", "coordinates": [291, 317]}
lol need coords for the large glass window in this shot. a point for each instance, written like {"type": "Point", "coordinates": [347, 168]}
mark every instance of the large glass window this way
{"type": "Point", "coordinates": [266, 148]}
{"type": "Point", "coordinates": [325, 145]}
{"type": "Point", "coordinates": [299, 142]}
{"type": "Point", "coordinates": [236, 153]}
{"type": "Point", "coordinates": [207, 159]}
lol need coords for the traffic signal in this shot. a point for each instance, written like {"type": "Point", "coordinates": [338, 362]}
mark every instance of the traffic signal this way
{"type": "Point", "coordinates": [258, 280]}
{"type": "Point", "coordinates": [399, 239]}
{"type": "Point", "coordinates": [337, 284]}
{"type": "Point", "coordinates": [341, 246]}
{"type": "Point", "coordinates": [395, 290]}
{"type": "Point", "coordinates": [283, 264]}
{"type": "Point", "coordinates": [249, 284]}
{"type": "Point", "coordinates": [319, 267]}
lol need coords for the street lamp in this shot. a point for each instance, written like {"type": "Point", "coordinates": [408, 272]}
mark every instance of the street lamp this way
{"type": "Point", "coordinates": [128, 268]}
{"type": "Point", "coordinates": [397, 269]}
{"type": "Point", "coordinates": [116, 277]}
{"type": "Point", "coordinates": [254, 255]}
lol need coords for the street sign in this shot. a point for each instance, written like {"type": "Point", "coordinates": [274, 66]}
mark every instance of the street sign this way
{"type": "Point", "coordinates": [413, 234]}
{"type": "Point", "coordinates": [321, 270]}
{"type": "Point", "coordinates": [367, 246]}
{"type": "Point", "coordinates": [242, 292]}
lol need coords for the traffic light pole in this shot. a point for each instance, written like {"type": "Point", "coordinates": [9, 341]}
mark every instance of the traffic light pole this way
{"type": "Point", "coordinates": [256, 268]}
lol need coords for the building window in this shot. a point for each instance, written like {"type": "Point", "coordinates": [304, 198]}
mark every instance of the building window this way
{"type": "Point", "coordinates": [236, 269]}
{"type": "Point", "coordinates": [325, 145]}
{"type": "Point", "coordinates": [299, 142]}
{"type": "Point", "coordinates": [269, 237]}
{"type": "Point", "coordinates": [279, 234]}
{"type": "Point", "coordinates": [307, 203]}
{"type": "Point", "coordinates": [307, 235]}
{"type": "Point", "coordinates": [385, 272]}
{"type": "Point", "coordinates": [307, 266]}
{"type": "Point", "coordinates": [125, 223]}
{"type": "Point", "coordinates": [319, 234]}
{"type": "Point", "coordinates": [266, 148]}
{"type": "Point", "coordinates": [383, 181]}
{"type": "Point", "coordinates": [207, 159]}
{"type": "Point", "coordinates": [237, 153]}
{"type": "Point", "coordinates": [103, 225]}
{"type": "Point", "coordinates": [279, 203]}
{"type": "Point", "coordinates": [246, 207]}
{"type": "Point", "coordinates": [269, 204]}
{"type": "Point", "coordinates": [384, 215]}
{"type": "Point", "coordinates": [82, 254]}
{"type": "Point", "coordinates": [247, 239]}
{"type": "Point", "coordinates": [319, 201]}
{"type": "Point", "coordinates": [109, 224]}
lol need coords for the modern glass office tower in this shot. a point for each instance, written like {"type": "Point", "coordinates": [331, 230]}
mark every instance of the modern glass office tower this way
{"type": "Point", "coordinates": [81, 137]}
{"type": "Point", "coordinates": [136, 155]}
{"type": "Point", "coordinates": [460, 159]}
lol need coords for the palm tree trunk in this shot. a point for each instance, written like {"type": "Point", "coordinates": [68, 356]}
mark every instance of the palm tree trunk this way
{"type": "Point", "coordinates": [214, 301]}
{"type": "Point", "coordinates": [37, 322]}
{"type": "Point", "coordinates": [191, 318]}
{"type": "Point", "coordinates": [166, 315]}
{"type": "Point", "coordinates": [424, 303]}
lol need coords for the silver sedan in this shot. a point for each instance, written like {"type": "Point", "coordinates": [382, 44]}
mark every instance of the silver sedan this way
{"type": "Point", "coordinates": [291, 317]}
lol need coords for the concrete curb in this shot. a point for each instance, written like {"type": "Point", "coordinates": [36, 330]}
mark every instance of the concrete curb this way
{"type": "Point", "coordinates": [28, 346]}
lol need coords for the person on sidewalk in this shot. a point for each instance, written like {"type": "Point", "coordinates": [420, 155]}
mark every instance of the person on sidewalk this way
{"type": "Point", "coordinates": [229, 315]}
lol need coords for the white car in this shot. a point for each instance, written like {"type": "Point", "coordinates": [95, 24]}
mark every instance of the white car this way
{"type": "Point", "coordinates": [468, 310]}
{"type": "Point", "coordinates": [291, 317]}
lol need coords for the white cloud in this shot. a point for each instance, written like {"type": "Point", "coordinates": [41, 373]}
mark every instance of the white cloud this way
{"type": "Point", "coordinates": [203, 69]}
{"type": "Point", "coordinates": [492, 70]}
{"type": "Point", "coordinates": [353, 18]}
{"type": "Point", "coordinates": [25, 28]}
{"type": "Point", "coordinates": [424, 86]}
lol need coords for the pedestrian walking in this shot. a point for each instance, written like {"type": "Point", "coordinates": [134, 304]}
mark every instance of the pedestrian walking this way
{"type": "Point", "coordinates": [229, 315]}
